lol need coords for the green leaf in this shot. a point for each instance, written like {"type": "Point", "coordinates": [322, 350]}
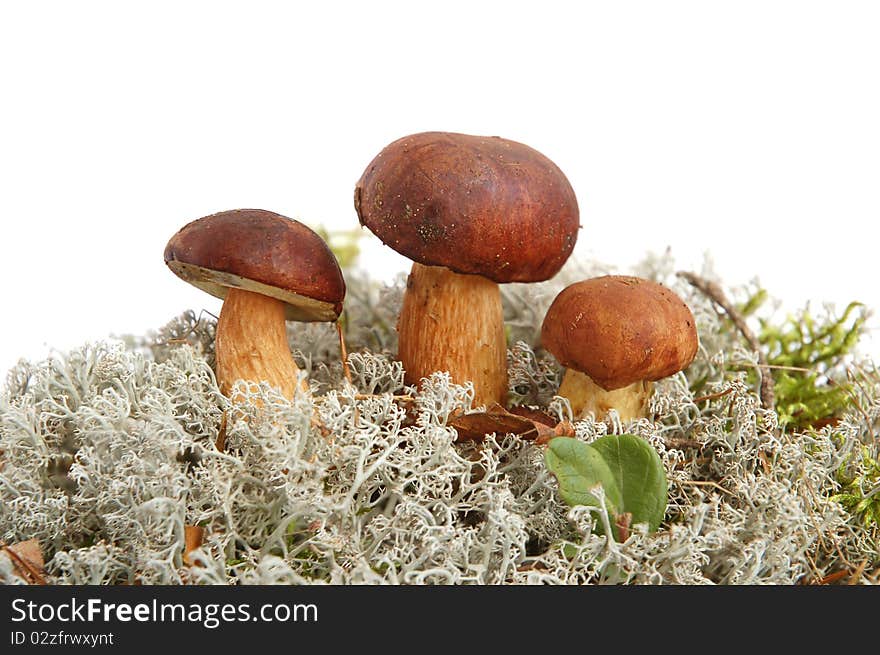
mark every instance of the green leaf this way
{"type": "Point", "coordinates": [807, 355]}
{"type": "Point", "coordinates": [640, 474]}
{"type": "Point", "coordinates": [627, 467]}
{"type": "Point", "coordinates": [579, 467]}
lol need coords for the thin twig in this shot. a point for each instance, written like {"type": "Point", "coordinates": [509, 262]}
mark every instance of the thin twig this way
{"type": "Point", "coordinates": [344, 352]}
{"type": "Point", "coordinates": [817, 575]}
{"type": "Point", "coordinates": [778, 367]}
{"type": "Point", "coordinates": [852, 377]}
{"type": "Point", "coordinates": [716, 294]}
{"type": "Point", "coordinates": [699, 461]}
{"type": "Point", "coordinates": [681, 444]}
{"type": "Point", "coordinates": [857, 574]}
{"type": "Point", "coordinates": [186, 335]}
{"type": "Point", "coordinates": [714, 396]}
{"type": "Point", "coordinates": [366, 396]}
{"type": "Point", "coordinates": [708, 483]}
{"type": "Point", "coordinates": [809, 489]}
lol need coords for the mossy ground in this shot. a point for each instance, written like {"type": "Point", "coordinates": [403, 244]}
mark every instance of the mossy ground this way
{"type": "Point", "coordinates": [110, 454]}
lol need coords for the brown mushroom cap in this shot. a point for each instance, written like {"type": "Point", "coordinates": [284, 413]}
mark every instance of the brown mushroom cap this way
{"type": "Point", "coordinates": [475, 204]}
{"type": "Point", "coordinates": [263, 252]}
{"type": "Point", "coordinates": [620, 330]}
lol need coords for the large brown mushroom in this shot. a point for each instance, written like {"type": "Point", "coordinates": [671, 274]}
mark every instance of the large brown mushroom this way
{"type": "Point", "coordinates": [616, 335]}
{"type": "Point", "coordinates": [471, 212]}
{"type": "Point", "coordinates": [268, 269]}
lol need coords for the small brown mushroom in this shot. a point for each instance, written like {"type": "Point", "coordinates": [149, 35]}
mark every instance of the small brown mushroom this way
{"type": "Point", "coordinates": [267, 268]}
{"type": "Point", "coordinates": [471, 212]}
{"type": "Point", "coordinates": [616, 335]}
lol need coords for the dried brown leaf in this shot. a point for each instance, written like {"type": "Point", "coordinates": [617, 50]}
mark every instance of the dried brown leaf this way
{"type": "Point", "coordinates": [534, 415]}
{"type": "Point", "coordinates": [476, 425]}
{"type": "Point", "coordinates": [562, 429]}
{"type": "Point", "coordinates": [27, 559]}
{"type": "Point", "coordinates": [193, 537]}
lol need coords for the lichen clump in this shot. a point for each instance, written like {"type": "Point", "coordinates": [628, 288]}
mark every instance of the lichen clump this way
{"type": "Point", "coordinates": [109, 452]}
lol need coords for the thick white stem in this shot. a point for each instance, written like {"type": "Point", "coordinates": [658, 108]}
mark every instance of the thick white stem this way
{"type": "Point", "coordinates": [586, 397]}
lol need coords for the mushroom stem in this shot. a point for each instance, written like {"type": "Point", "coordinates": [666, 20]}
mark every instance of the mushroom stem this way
{"type": "Point", "coordinates": [251, 343]}
{"type": "Point", "coordinates": [586, 397]}
{"type": "Point", "coordinates": [453, 322]}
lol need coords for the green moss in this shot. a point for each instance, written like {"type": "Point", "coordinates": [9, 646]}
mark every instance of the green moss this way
{"type": "Point", "coordinates": [804, 353]}
{"type": "Point", "coordinates": [809, 355]}
{"type": "Point", "coordinates": [860, 487]}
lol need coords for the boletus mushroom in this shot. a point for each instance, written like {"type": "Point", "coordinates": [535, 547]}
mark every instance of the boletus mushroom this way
{"type": "Point", "coordinates": [268, 269]}
{"type": "Point", "coordinates": [616, 335]}
{"type": "Point", "coordinates": [471, 212]}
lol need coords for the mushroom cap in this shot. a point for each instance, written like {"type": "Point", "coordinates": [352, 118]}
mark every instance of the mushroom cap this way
{"type": "Point", "coordinates": [263, 252]}
{"type": "Point", "coordinates": [620, 330]}
{"type": "Point", "coordinates": [475, 204]}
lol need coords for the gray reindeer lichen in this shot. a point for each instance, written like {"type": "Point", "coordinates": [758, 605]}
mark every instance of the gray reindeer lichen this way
{"type": "Point", "coordinates": [108, 452]}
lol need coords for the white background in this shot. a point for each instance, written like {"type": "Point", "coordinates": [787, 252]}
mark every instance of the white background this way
{"type": "Point", "coordinates": [750, 130]}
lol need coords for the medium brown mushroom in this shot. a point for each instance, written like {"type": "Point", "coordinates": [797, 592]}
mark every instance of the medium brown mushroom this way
{"type": "Point", "coordinates": [268, 269]}
{"type": "Point", "coordinates": [471, 212]}
{"type": "Point", "coordinates": [616, 335]}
